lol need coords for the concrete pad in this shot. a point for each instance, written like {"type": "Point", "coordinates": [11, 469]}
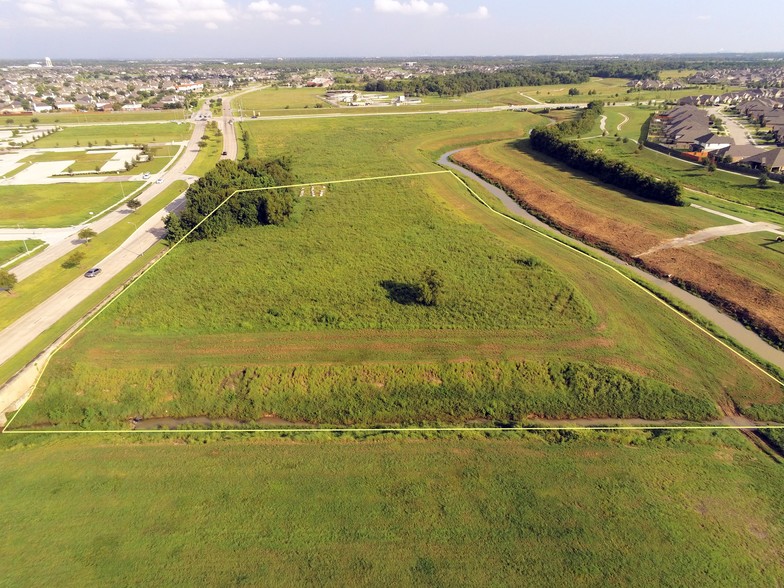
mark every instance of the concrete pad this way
{"type": "Point", "coordinates": [43, 170]}
{"type": "Point", "coordinates": [10, 161]}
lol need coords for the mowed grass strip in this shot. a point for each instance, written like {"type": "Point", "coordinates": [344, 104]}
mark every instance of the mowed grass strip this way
{"type": "Point", "coordinates": [578, 509]}
{"type": "Point", "coordinates": [58, 205]}
{"type": "Point", "coordinates": [11, 249]}
{"type": "Point", "coordinates": [123, 134]}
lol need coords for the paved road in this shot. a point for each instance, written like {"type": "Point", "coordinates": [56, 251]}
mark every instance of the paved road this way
{"type": "Point", "coordinates": [740, 333]}
{"type": "Point", "coordinates": [229, 134]}
{"type": "Point", "coordinates": [734, 128]}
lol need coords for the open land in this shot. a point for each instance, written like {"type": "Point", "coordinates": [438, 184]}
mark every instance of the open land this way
{"type": "Point", "coordinates": [344, 265]}
{"type": "Point", "coordinates": [59, 204]}
{"type": "Point", "coordinates": [578, 509]}
{"type": "Point", "coordinates": [123, 134]}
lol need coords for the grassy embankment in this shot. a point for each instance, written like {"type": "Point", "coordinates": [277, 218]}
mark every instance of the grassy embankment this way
{"type": "Point", "coordinates": [124, 134]}
{"type": "Point", "coordinates": [628, 509]}
{"type": "Point", "coordinates": [632, 228]}
{"type": "Point", "coordinates": [265, 297]}
{"type": "Point", "coordinates": [729, 186]}
{"type": "Point", "coordinates": [38, 287]}
{"type": "Point", "coordinates": [58, 205]}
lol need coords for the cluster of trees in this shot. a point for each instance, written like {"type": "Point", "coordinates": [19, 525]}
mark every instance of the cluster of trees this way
{"type": "Point", "coordinates": [244, 209]}
{"type": "Point", "coordinates": [460, 83]}
{"type": "Point", "coordinates": [551, 141]}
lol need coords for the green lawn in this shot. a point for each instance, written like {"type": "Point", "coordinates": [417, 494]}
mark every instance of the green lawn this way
{"type": "Point", "coordinates": [11, 249]}
{"type": "Point", "coordinates": [337, 269]}
{"type": "Point", "coordinates": [116, 135]}
{"type": "Point", "coordinates": [579, 510]}
{"type": "Point", "coordinates": [58, 205]}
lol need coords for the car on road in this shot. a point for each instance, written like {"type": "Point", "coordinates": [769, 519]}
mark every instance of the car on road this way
{"type": "Point", "coordinates": [91, 273]}
{"type": "Point", "coordinates": [145, 175]}
{"type": "Point", "coordinates": [159, 181]}
{"type": "Point", "coordinates": [225, 153]}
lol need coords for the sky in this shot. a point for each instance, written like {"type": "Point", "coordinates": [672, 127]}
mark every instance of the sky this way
{"type": "Point", "coordinates": [140, 29]}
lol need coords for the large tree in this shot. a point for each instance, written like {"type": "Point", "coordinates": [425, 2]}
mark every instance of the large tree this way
{"type": "Point", "coordinates": [7, 280]}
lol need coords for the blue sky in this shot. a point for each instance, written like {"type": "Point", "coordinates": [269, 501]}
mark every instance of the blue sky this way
{"type": "Point", "coordinates": [31, 29]}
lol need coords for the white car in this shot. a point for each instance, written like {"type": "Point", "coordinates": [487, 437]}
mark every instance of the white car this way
{"type": "Point", "coordinates": [159, 181]}
{"type": "Point", "coordinates": [146, 176]}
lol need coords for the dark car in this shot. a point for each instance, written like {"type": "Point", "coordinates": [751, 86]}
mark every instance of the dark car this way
{"type": "Point", "coordinates": [91, 273]}
{"type": "Point", "coordinates": [224, 153]}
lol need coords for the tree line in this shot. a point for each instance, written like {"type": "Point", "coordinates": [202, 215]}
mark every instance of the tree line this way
{"type": "Point", "coordinates": [552, 141]}
{"type": "Point", "coordinates": [456, 84]}
{"type": "Point", "coordinates": [246, 209]}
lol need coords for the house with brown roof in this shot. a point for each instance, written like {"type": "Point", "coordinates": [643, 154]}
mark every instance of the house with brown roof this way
{"type": "Point", "coordinates": [772, 160]}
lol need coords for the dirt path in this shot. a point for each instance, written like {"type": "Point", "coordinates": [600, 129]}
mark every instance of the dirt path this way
{"type": "Point", "coordinates": [603, 123]}
{"type": "Point", "coordinates": [623, 122]}
{"type": "Point", "coordinates": [712, 233]}
{"type": "Point", "coordinates": [531, 98]}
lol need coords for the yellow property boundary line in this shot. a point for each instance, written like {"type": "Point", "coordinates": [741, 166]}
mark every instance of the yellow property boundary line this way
{"type": "Point", "coordinates": [400, 429]}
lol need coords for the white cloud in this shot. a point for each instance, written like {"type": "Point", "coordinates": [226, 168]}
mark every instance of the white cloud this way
{"type": "Point", "coordinates": [295, 22]}
{"type": "Point", "coordinates": [419, 7]}
{"type": "Point", "coordinates": [314, 22]}
{"type": "Point", "coordinates": [357, 10]}
{"type": "Point", "coordinates": [264, 6]}
{"type": "Point", "coordinates": [480, 13]}
{"type": "Point", "coordinates": [273, 11]}
{"type": "Point", "coordinates": [211, 26]}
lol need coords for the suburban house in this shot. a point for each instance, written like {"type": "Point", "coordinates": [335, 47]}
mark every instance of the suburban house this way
{"type": "Point", "coordinates": [713, 142]}
{"type": "Point", "coordinates": [772, 160]}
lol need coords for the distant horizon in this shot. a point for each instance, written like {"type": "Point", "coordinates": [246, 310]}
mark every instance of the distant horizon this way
{"type": "Point", "coordinates": [247, 60]}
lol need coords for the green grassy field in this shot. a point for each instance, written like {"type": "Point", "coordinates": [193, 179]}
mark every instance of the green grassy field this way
{"type": "Point", "coordinates": [116, 134]}
{"type": "Point", "coordinates": [58, 205]}
{"type": "Point", "coordinates": [68, 118]}
{"type": "Point", "coordinates": [82, 161]}
{"type": "Point", "coordinates": [262, 296]}
{"type": "Point", "coordinates": [11, 249]}
{"type": "Point", "coordinates": [579, 510]}
{"type": "Point", "coordinates": [278, 99]}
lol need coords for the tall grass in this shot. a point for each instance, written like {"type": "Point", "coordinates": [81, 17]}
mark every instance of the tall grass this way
{"type": "Point", "coordinates": [86, 395]}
